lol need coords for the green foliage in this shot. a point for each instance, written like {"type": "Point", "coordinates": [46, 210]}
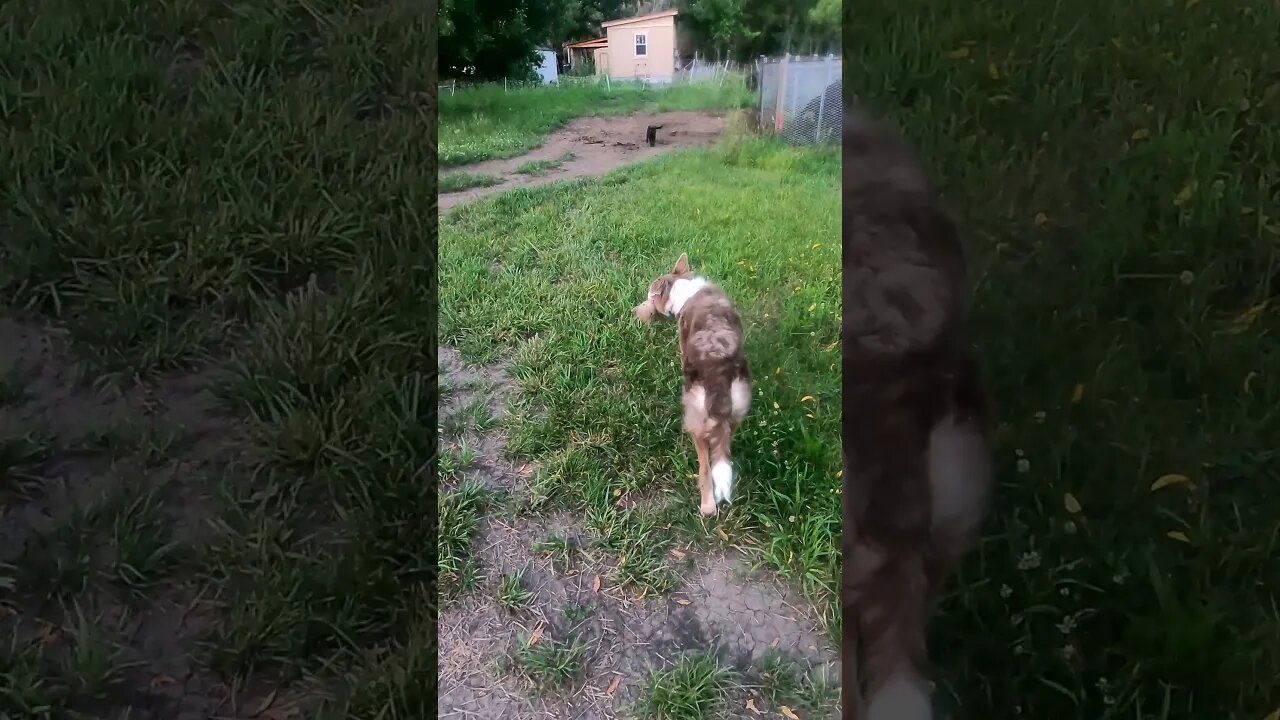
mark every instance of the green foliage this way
{"type": "Point", "coordinates": [1116, 169]}
{"type": "Point", "coordinates": [745, 29]}
{"type": "Point", "coordinates": [724, 21]}
{"type": "Point", "coordinates": [494, 39]}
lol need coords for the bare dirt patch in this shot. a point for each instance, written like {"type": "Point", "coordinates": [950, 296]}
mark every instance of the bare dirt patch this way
{"type": "Point", "coordinates": [103, 500]}
{"type": "Point", "coordinates": [598, 145]}
{"type": "Point", "coordinates": [718, 606]}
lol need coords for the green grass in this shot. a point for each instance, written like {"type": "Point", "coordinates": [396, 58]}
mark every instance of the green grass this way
{"type": "Point", "coordinates": [459, 516]}
{"type": "Point", "coordinates": [475, 415]}
{"type": "Point", "coordinates": [35, 682]}
{"type": "Point", "coordinates": [487, 122]}
{"type": "Point", "coordinates": [193, 184]}
{"type": "Point", "coordinates": [141, 540]}
{"type": "Point", "coordinates": [1117, 169]}
{"type": "Point", "coordinates": [459, 181]}
{"type": "Point", "coordinates": [542, 167]}
{"type": "Point", "coordinates": [12, 391]}
{"type": "Point", "coordinates": [29, 690]}
{"type": "Point", "coordinates": [781, 681]}
{"type": "Point", "coordinates": [692, 688]}
{"type": "Point", "coordinates": [598, 393]}
{"type": "Point", "coordinates": [453, 460]}
{"type": "Point", "coordinates": [512, 593]}
{"type": "Point", "coordinates": [92, 667]}
{"type": "Point", "coordinates": [558, 550]}
{"type": "Point", "coordinates": [576, 613]}
{"type": "Point", "coordinates": [550, 663]}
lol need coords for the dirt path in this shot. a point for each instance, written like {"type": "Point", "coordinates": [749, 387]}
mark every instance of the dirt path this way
{"type": "Point", "coordinates": [591, 146]}
{"type": "Point", "coordinates": [751, 624]}
{"type": "Point", "coordinates": [102, 492]}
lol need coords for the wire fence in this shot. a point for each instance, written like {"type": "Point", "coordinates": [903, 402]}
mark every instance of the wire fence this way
{"type": "Point", "coordinates": [451, 87]}
{"type": "Point", "coordinates": [800, 97]}
{"type": "Point", "coordinates": [699, 70]}
{"type": "Point", "coordinates": [701, 73]}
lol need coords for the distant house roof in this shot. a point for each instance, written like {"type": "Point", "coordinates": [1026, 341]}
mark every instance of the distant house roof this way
{"type": "Point", "coordinates": [587, 44]}
{"type": "Point", "coordinates": [638, 18]}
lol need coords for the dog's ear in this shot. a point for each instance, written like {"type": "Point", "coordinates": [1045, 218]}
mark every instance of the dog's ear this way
{"type": "Point", "coordinates": [682, 265]}
{"type": "Point", "coordinates": [661, 286]}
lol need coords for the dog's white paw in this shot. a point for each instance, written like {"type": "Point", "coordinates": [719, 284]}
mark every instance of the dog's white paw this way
{"type": "Point", "coordinates": [721, 481]}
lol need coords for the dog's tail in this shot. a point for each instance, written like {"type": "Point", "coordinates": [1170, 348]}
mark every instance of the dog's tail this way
{"type": "Point", "coordinates": [721, 462]}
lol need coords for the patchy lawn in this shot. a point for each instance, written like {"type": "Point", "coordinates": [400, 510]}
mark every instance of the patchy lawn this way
{"type": "Point", "coordinates": [1116, 168]}
{"type": "Point", "coordinates": [539, 282]}
{"type": "Point", "coordinates": [216, 331]}
{"type": "Point", "coordinates": [465, 181]}
{"type": "Point", "coordinates": [541, 167]}
{"type": "Point", "coordinates": [488, 122]}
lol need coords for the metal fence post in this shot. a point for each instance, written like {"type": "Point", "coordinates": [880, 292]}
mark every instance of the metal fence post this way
{"type": "Point", "coordinates": [780, 107]}
{"type": "Point", "coordinates": [760, 87]}
{"type": "Point", "coordinates": [822, 101]}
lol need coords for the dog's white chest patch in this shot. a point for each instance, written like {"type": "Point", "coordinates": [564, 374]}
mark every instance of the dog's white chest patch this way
{"type": "Point", "coordinates": [681, 291]}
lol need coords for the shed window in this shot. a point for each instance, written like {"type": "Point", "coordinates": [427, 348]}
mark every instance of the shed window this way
{"type": "Point", "coordinates": [642, 45]}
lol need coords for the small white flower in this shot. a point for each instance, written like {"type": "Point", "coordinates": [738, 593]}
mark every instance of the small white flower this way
{"type": "Point", "coordinates": [1029, 560]}
{"type": "Point", "coordinates": [1024, 465]}
{"type": "Point", "coordinates": [1040, 416]}
{"type": "Point", "coordinates": [1018, 452]}
{"type": "Point", "coordinates": [1005, 591]}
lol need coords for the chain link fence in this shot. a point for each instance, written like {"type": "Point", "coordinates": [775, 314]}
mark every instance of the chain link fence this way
{"type": "Point", "coordinates": [800, 97]}
{"type": "Point", "coordinates": [699, 70]}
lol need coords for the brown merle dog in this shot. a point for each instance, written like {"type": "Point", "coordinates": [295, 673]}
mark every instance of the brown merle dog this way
{"type": "Point", "coordinates": [916, 430]}
{"type": "Point", "coordinates": [717, 381]}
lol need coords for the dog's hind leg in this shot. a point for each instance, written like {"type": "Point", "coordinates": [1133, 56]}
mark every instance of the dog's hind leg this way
{"type": "Point", "coordinates": [707, 503]}
{"type": "Point", "coordinates": [890, 600]}
{"type": "Point", "coordinates": [721, 462]}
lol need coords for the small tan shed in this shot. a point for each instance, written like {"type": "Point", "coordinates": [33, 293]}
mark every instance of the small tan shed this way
{"type": "Point", "coordinates": [643, 47]}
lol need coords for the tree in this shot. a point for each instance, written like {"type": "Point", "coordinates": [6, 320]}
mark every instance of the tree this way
{"type": "Point", "coordinates": [825, 17]}
{"type": "Point", "coordinates": [724, 22]}
{"type": "Point", "coordinates": [749, 28]}
{"type": "Point", "coordinates": [491, 39]}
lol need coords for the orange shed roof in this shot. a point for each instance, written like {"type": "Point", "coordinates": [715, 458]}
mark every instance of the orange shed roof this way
{"type": "Point", "coordinates": [597, 43]}
{"type": "Point", "coordinates": [638, 18]}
